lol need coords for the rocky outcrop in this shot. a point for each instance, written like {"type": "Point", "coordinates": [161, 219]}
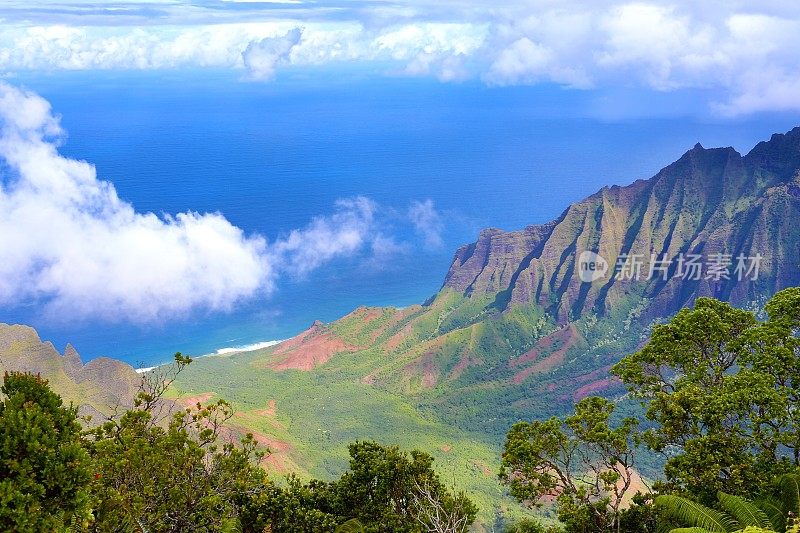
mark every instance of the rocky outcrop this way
{"type": "Point", "coordinates": [96, 387]}
{"type": "Point", "coordinates": [709, 202]}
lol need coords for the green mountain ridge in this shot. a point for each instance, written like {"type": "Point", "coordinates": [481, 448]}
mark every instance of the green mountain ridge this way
{"type": "Point", "coordinates": [513, 333]}
{"type": "Point", "coordinates": [97, 387]}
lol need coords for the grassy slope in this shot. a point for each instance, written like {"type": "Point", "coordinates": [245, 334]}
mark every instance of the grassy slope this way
{"type": "Point", "coordinates": [317, 414]}
{"type": "Point", "coordinates": [435, 378]}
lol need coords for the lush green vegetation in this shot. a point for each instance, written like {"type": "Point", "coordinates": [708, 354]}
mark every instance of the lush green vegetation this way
{"type": "Point", "coordinates": [154, 470]}
{"type": "Point", "coordinates": [720, 390]}
{"type": "Point", "coordinates": [317, 414]}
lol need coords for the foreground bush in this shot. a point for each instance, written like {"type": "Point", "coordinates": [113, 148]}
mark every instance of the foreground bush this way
{"type": "Point", "coordinates": [157, 468]}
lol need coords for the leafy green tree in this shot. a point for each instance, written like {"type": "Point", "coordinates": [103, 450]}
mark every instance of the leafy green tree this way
{"type": "Point", "coordinates": [719, 387]}
{"type": "Point", "coordinates": [582, 461]}
{"type": "Point", "coordinates": [385, 490]}
{"type": "Point", "coordinates": [389, 490]}
{"type": "Point", "coordinates": [640, 515]}
{"type": "Point", "coordinates": [290, 508]}
{"type": "Point", "coordinates": [44, 471]}
{"type": "Point", "coordinates": [172, 474]}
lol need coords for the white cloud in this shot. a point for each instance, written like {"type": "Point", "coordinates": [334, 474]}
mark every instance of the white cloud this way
{"type": "Point", "coordinates": [427, 221]}
{"type": "Point", "coordinates": [651, 44]}
{"type": "Point", "coordinates": [666, 49]}
{"type": "Point", "coordinates": [261, 58]}
{"type": "Point", "coordinates": [66, 236]}
{"type": "Point", "coordinates": [344, 232]}
{"type": "Point", "coordinates": [69, 242]}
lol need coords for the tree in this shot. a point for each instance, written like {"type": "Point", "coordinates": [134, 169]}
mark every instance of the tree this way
{"type": "Point", "coordinates": [294, 507]}
{"type": "Point", "coordinates": [393, 491]}
{"type": "Point", "coordinates": [721, 389]}
{"type": "Point", "coordinates": [44, 471]}
{"type": "Point", "coordinates": [385, 490]}
{"type": "Point", "coordinates": [441, 513]}
{"type": "Point", "coordinates": [173, 476]}
{"type": "Point", "coordinates": [529, 525]}
{"type": "Point", "coordinates": [581, 461]}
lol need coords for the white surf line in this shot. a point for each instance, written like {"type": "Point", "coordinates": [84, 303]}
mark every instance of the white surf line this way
{"type": "Point", "coordinates": [246, 348]}
{"type": "Point", "coordinates": [221, 352]}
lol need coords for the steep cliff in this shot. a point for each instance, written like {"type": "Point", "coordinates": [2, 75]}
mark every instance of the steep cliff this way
{"type": "Point", "coordinates": [708, 202]}
{"type": "Point", "coordinates": [517, 328]}
{"type": "Point", "coordinates": [96, 387]}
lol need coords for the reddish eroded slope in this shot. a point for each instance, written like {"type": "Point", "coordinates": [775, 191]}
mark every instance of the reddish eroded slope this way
{"type": "Point", "coordinates": [314, 347]}
{"type": "Point", "coordinates": [193, 401]}
{"type": "Point", "coordinates": [561, 340]}
{"type": "Point", "coordinates": [595, 382]}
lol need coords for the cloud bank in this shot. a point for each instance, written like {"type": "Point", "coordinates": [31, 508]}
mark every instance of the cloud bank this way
{"type": "Point", "coordinates": [746, 53]}
{"type": "Point", "coordinates": [68, 242]}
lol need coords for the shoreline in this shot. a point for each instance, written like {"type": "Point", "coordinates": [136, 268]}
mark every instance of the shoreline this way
{"type": "Point", "coordinates": [221, 352]}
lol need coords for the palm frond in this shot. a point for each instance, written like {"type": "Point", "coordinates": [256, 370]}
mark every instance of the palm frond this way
{"type": "Point", "coordinates": [774, 510]}
{"type": "Point", "coordinates": [743, 511]}
{"type": "Point", "coordinates": [693, 514]}
{"type": "Point", "coordinates": [665, 526]}
{"type": "Point", "coordinates": [689, 530]}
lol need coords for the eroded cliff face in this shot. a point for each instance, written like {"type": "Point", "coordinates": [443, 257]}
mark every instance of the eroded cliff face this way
{"type": "Point", "coordinates": [516, 327]}
{"type": "Point", "coordinates": [96, 387]}
{"type": "Point", "coordinates": [708, 202]}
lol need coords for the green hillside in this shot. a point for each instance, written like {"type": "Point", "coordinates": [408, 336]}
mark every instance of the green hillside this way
{"type": "Point", "coordinates": [514, 333]}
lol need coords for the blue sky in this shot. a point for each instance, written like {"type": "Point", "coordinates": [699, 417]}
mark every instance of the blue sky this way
{"type": "Point", "coordinates": [744, 54]}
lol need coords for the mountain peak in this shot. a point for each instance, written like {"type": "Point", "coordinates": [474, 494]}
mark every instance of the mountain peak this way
{"type": "Point", "coordinates": [709, 200]}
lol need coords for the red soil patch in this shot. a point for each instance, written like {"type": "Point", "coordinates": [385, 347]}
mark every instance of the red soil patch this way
{"type": "Point", "coordinates": [466, 360]}
{"type": "Point", "coordinates": [543, 345]}
{"type": "Point", "coordinates": [366, 314]}
{"type": "Point", "coordinates": [596, 381]}
{"type": "Point", "coordinates": [594, 387]}
{"type": "Point", "coordinates": [600, 373]}
{"type": "Point", "coordinates": [483, 467]}
{"type": "Point", "coordinates": [269, 411]}
{"type": "Point", "coordinates": [426, 367]}
{"type": "Point", "coordinates": [278, 459]}
{"type": "Point", "coordinates": [274, 445]}
{"type": "Point", "coordinates": [312, 348]}
{"type": "Point", "coordinates": [396, 339]}
{"type": "Point", "coordinates": [430, 374]}
{"type": "Point", "coordinates": [270, 414]}
{"type": "Point", "coordinates": [192, 401]}
{"type": "Point", "coordinates": [567, 338]}
{"type": "Point", "coordinates": [446, 448]}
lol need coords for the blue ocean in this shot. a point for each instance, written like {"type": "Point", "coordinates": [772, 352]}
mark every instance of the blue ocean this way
{"type": "Point", "coordinates": [271, 156]}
